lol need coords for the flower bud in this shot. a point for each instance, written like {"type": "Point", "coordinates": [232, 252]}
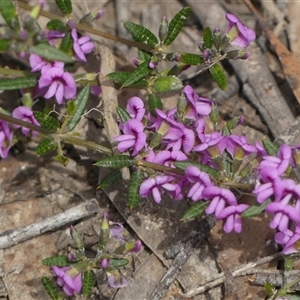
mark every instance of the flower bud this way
{"type": "Point", "coordinates": [104, 231]}
{"type": "Point", "coordinates": [77, 238]}
{"type": "Point", "coordinates": [167, 84]}
{"type": "Point", "coordinates": [163, 29]}
{"type": "Point", "coordinates": [217, 39]}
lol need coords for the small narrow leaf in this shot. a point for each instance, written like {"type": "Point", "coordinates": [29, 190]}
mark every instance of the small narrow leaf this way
{"type": "Point", "coordinates": [154, 102]}
{"type": "Point", "coordinates": [56, 24]}
{"type": "Point", "coordinates": [141, 34]}
{"type": "Point", "coordinates": [219, 76]}
{"type": "Point", "coordinates": [4, 44]}
{"type": "Point", "coordinates": [270, 147]}
{"type": "Point", "coordinates": [144, 55]}
{"type": "Point", "coordinates": [255, 210]}
{"type": "Point", "coordinates": [123, 114]}
{"type": "Point", "coordinates": [118, 161]}
{"type": "Point", "coordinates": [45, 146]}
{"type": "Point", "coordinates": [191, 59]}
{"type": "Point", "coordinates": [121, 77]}
{"type": "Point", "coordinates": [208, 38]}
{"type": "Point", "coordinates": [51, 53]}
{"type": "Point", "coordinates": [195, 210]}
{"type": "Point", "coordinates": [87, 282]}
{"type": "Point", "coordinates": [50, 288]}
{"type": "Point", "coordinates": [18, 83]}
{"type": "Point", "coordinates": [136, 180]}
{"type": "Point", "coordinates": [116, 263]}
{"type": "Point", "coordinates": [109, 179]}
{"type": "Point", "coordinates": [66, 45]}
{"type": "Point", "coordinates": [47, 122]}
{"type": "Point", "coordinates": [140, 72]}
{"type": "Point", "coordinates": [65, 6]}
{"type": "Point", "coordinates": [176, 25]}
{"type": "Point", "coordinates": [59, 261]}
{"type": "Point", "coordinates": [9, 14]}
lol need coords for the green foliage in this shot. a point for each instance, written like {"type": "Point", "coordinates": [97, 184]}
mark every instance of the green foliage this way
{"type": "Point", "coordinates": [61, 159]}
{"type": "Point", "coordinates": [56, 24]}
{"type": "Point", "coordinates": [176, 25]}
{"type": "Point", "coordinates": [208, 38]}
{"type": "Point", "coordinates": [219, 76]}
{"type": "Point", "coordinates": [4, 44]}
{"type": "Point", "coordinates": [45, 146]}
{"type": "Point", "coordinates": [9, 14]}
{"type": "Point", "coordinates": [18, 83]}
{"type": "Point", "coordinates": [144, 55]}
{"type": "Point", "coordinates": [50, 288]}
{"type": "Point", "coordinates": [87, 282]}
{"type": "Point", "coordinates": [121, 77]}
{"type": "Point", "coordinates": [123, 114]}
{"type": "Point", "coordinates": [66, 45]}
{"type": "Point", "coordinates": [255, 210]}
{"type": "Point", "coordinates": [59, 261]}
{"type": "Point", "coordinates": [116, 263]}
{"type": "Point", "coordinates": [136, 179]}
{"type": "Point", "coordinates": [46, 121]}
{"type": "Point", "coordinates": [65, 6]}
{"type": "Point", "coordinates": [270, 147]}
{"type": "Point", "coordinates": [191, 59]}
{"type": "Point", "coordinates": [112, 177]}
{"type": "Point", "coordinates": [195, 210]}
{"type": "Point", "coordinates": [167, 84]}
{"type": "Point", "coordinates": [141, 34]}
{"type": "Point", "coordinates": [154, 102]}
{"type": "Point", "coordinates": [118, 161]}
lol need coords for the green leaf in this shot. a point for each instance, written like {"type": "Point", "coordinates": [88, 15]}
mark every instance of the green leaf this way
{"type": "Point", "coordinates": [4, 44]}
{"type": "Point", "coordinates": [219, 76]}
{"type": "Point", "coordinates": [176, 25]}
{"type": "Point", "coordinates": [9, 14]}
{"type": "Point", "coordinates": [18, 83]}
{"type": "Point", "coordinates": [47, 122]}
{"type": "Point", "coordinates": [144, 55]}
{"type": "Point", "coordinates": [141, 34]}
{"type": "Point", "coordinates": [51, 53]}
{"type": "Point", "coordinates": [121, 77]}
{"type": "Point", "coordinates": [140, 72]}
{"type": "Point", "coordinates": [191, 59]}
{"type": "Point", "coordinates": [59, 261]}
{"type": "Point", "coordinates": [118, 161]}
{"type": "Point", "coordinates": [136, 180]}
{"type": "Point", "coordinates": [65, 6]}
{"type": "Point", "coordinates": [195, 210]}
{"type": "Point", "coordinates": [270, 147]}
{"type": "Point", "coordinates": [123, 114]}
{"type": "Point", "coordinates": [61, 159]}
{"type": "Point", "coordinates": [56, 24]}
{"type": "Point", "coordinates": [50, 288]}
{"type": "Point", "coordinates": [154, 102]}
{"type": "Point", "coordinates": [208, 38]}
{"type": "Point", "coordinates": [45, 146]}
{"type": "Point", "coordinates": [66, 45]}
{"type": "Point", "coordinates": [116, 263]}
{"type": "Point", "coordinates": [109, 179]}
{"type": "Point", "coordinates": [255, 210]}
{"type": "Point", "coordinates": [167, 84]}
{"type": "Point", "coordinates": [81, 102]}
{"type": "Point", "coordinates": [87, 282]}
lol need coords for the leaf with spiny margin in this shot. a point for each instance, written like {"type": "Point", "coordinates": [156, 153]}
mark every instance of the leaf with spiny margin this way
{"type": "Point", "coordinates": [116, 263]}
{"type": "Point", "coordinates": [45, 146]}
{"type": "Point", "coordinates": [81, 102]}
{"type": "Point", "coordinates": [123, 114]}
{"type": "Point", "coordinates": [208, 38]}
{"type": "Point", "coordinates": [50, 288]}
{"type": "Point", "coordinates": [191, 59]}
{"type": "Point", "coordinates": [176, 25]}
{"type": "Point", "coordinates": [59, 261]}
{"type": "Point", "coordinates": [18, 83]}
{"type": "Point", "coordinates": [65, 6]}
{"type": "Point", "coordinates": [121, 77]}
{"type": "Point", "coordinates": [140, 72]}
{"type": "Point", "coordinates": [67, 44]}
{"type": "Point", "coordinates": [270, 147]}
{"type": "Point", "coordinates": [255, 210]}
{"type": "Point", "coordinates": [141, 34]}
{"type": "Point", "coordinates": [87, 282]}
{"type": "Point", "coordinates": [219, 76]}
{"type": "Point", "coordinates": [46, 121]}
{"type": "Point", "coordinates": [118, 161]}
{"type": "Point", "coordinates": [9, 14]}
{"type": "Point", "coordinates": [51, 53]}
{"type": "Point", "coordinates": [195, 210]}
{"type": "Point", "coordinates": [209, 170]}
{"type": "Point", "coordinates": [136, 180]}
{"type": "Point", "coordinates": [56, 24]}
{"type": "Point", "coordinates": [109, 179]}
{"type": "Point", "coordinates": [4, 44]}
{"type": "Point", "coordinates": [154, 102]}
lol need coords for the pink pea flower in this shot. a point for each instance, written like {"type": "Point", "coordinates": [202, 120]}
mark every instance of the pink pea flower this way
{"type": "Point", "coordinates": [61, 84]}
{"type": "Point", "coordinates": [6, 137]}
{"type": "Point", "coordinates": [167, 158]}
{"type": "Point", "coordinates": [289, 239]}
{"type": "Point", "coordinates": [37, 63]}
{"type": "Point", "coordinates": [82, 45]}
{"type": "Point", "coordinates": [136, 108]}
{"type": "Point", "coordinates": [25, 114]}
{"type": "Point", "coordinates": [116, 280]}
{"type": "Point", "coordinates": [53, 36]}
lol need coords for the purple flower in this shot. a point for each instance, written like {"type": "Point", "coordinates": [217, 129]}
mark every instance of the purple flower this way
{"type": "Point", "coordinates": [131, 247]}
{"type": "Point", "coordinates": [37, 63]}
{"type": "Point", "coordinates": [116, 280]}
{"type": "Point", "coordinates": [69, 279]}
{"type": "Point", "coordinates": [6, 137]}
{"type": "Point", "coordinates": [133, 137]}
{"type": "Point", "coordinates": [25, 114]}
{"type": "Point", "coordinates": [239, 34]}
{"type": "Point", "coordinates": [167, 158]}
{"type": "Point", "coordinates": [82, 45]}
{"type": "Point", "coordinates": [61, 84]}
{"type": "Point", "coordinates": [238, 147]}
{"type": "Point", "coordinates": [53, 36]}
{"type": "Point", "coordinates": [289, 239]}
{"type": "Point", "coordinates": [209, 140]}
{"type": "Point", "coordinates": [136, 108]}
{"type": "Point", "coordinates": [115, 230]}
{"type": "Point", "coordinates": [104, 263]}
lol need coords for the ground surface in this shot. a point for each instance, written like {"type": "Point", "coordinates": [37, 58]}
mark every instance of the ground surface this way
{"type": "Point", "coordinates": [33, 188]}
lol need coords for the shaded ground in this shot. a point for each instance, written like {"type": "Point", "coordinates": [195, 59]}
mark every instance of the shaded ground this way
{"type": "Point", "coordinates": [34, 188]}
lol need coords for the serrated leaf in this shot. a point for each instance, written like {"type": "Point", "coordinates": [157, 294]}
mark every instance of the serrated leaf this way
{"type": "Point", "coordinates": [141, 34]}
{"type": "Point", "coordinates": [81, 102]}
{"type": "Point", "coordinates": [59, 261]}
{"type": "Point", "coordinates": [67, 44]}
{"type": "Point", "coordinates": [123, 114]}
{"type": "Point", "coordinates": [45, 146]}
{"type": "Point", "coordinates": [109, 179]}
{"type": "Point", "coordinates": [208, 38]}
{"type": "Point", "coordinates": [116, 263]}
{"type": "Point", "coordinates": [47, 122]}
{"type": "Point", "coordinates": [255, 210]}
{"type": "Point", "coordinates": [136, 180]}
{"type": "Point", "coordinates": [140, 72]}
{"type": "Point", "coordinates": [219, 76]}
{"type": "Point", "coordinates": [50, 288]}
{"type": "Point", "coordinates": [118, 161]}
{"type": "Point", "coordinates": [270, 147]}
{"type": "Point", "coordinates": [154, 102]}
{"type": "Point", "coordinates": [195, 210]}
{"type": "Point", "coordinates": [191, 59]}
{"type": "Point", "coordinates": [176, 25]}
{"type": "Point", "coordinates": [18, 83]}
{"type": "Point", "coordinates": [51, 53]}
{"type": "Point", "coordinates": [65, 6]}
{"type": "Point", "coordinates": [87, 282]}
{"type": "Point", "coordinates": [121, 77]}
{"type": "Point", "coordinates": [4, 44]}
{"type": "Point", "coordinates": [56, 24]}
{"type": "Point", "coordinates": [9, 14]}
